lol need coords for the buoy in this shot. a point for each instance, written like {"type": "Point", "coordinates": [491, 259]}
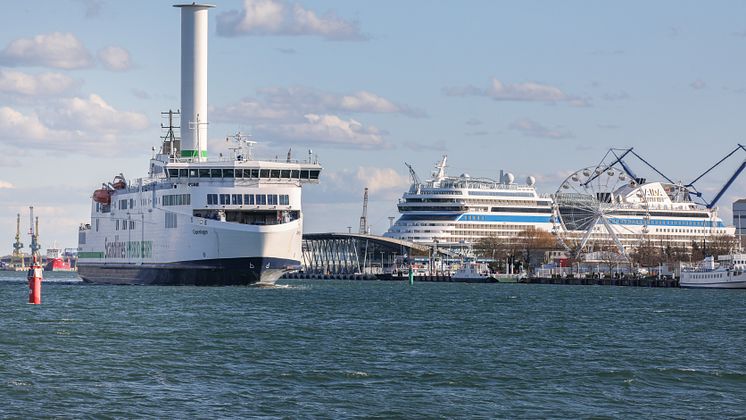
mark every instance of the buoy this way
{"type": "Point", "coordinates": [34, 283]}
{"type": "Point", "coordinates": [411, 276]}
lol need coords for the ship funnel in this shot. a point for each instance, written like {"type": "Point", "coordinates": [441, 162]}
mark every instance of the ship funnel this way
{"type": "Point", "coordinates": [194, 80]}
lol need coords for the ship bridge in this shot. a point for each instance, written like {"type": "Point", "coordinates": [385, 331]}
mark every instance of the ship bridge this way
{"type": "Point", "coordinates": [357, 253]}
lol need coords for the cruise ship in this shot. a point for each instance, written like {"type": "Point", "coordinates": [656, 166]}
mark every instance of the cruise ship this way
{"type": "Point", "coordinates": [193, 220]}
{"type": "Point", "coordinates": [605, 208]}
{"type": "Point", "coordinates": [454, 212]}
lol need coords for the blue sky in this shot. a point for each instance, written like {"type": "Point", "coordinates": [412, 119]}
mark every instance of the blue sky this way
{"type": "Point", "coordinates": [533, 87]}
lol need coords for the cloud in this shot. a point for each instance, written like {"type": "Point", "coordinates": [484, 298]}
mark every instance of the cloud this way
{"type": "Point", "coordinates": [92, 7]}
{"type": "Point", "coordinates": [57, 50]}
{"type": "Point", "coordinates": [287, 103]}
{"type": "Point", "coordinates": [278, 17]}
{"type": "Point", "coordinates": [43, 84]}
{"type": "Point", "coordinates": [473, 121]}
{"type": "Point", "coordinates": [532, 128]}
{"type": "Point", "coordinates": [519, 92]}
{"type": "Point", "coordinates": [698, 84]}
{"type": "Point", "coordinates": [382, 179]}
{"type": "Point", "coordinates": [438, 146]}
{"type": "Point", "coordinates": [620, 96]}
{"type": "Point", "coordinates": [6, 185]}
{"type": "Point", "coordinates": [115, 58]}
{"type": "Point", "coordinates": [70, 124]}
{"type": "Point", "coordinates": [140, 94]}
{"type": "Point", "coordinates": [325, 130]}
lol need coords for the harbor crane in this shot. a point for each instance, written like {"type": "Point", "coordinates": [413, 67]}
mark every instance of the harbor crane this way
{"type": "Point", "coordinates": [17, 259]}
{"type": "Point", "coordinates": [364, 217]}
{"type": "Point", "coordinates": [727, 184]}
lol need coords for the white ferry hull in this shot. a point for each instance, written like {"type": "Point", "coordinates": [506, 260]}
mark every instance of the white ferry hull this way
{"type": "Point", "coordinates": [203, 253]}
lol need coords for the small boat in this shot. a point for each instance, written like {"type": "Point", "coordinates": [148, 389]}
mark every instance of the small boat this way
{"type": "Point", "coordinates": [55, 262]}
{"type": "Point", "coordinates": [509, 278]}
{"type": "Point", "coordinates": [729, 273]}
{"type": "Point", "coordinates": [472, 272]}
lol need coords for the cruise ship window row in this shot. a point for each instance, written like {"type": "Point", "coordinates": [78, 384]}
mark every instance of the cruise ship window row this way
{"type": "Point", "coordinates": [218, 173]}
{"type": "Point", "coordinates": [177, 200]}
{"type": "Point", "coordinates": [124, 225]}
{"type": "Point", "coordinates": [248, 199]}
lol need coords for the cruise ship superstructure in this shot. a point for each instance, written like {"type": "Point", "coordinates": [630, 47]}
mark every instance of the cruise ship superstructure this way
{"type": "Point", "coordinates": [195, 221]}
{"type": "Point", "coordinates": [456, 211]}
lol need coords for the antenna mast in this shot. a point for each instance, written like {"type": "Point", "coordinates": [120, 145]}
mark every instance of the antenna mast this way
{"type": "Point", "coordinates": [364, 217]}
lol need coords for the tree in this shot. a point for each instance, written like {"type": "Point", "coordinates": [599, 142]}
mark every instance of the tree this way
{"type": "Point", "coordinates": [533, 239]}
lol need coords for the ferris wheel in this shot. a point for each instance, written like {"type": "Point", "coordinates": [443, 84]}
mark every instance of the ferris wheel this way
{"type": "Point", "coordinates": [589, 206]}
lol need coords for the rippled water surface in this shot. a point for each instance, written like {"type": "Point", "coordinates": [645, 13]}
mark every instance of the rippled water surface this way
{"type": "Point", "coordinates": [372, 349]}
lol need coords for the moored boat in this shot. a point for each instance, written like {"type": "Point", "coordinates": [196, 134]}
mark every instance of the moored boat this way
{"type": "Point", "coordinates": [728, 273]}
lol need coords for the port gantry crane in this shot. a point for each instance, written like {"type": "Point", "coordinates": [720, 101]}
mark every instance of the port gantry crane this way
{"type": "Point", "coordinates": [364, 218]}
{"type": "Point", "coordinates": [16, 259]}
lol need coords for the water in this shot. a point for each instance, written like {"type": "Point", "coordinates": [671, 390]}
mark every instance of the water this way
{"type": "Point", "coordinates": [370, 349]}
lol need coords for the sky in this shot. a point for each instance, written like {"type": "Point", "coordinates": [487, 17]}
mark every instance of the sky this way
{"type": "Point", "coordinates": [540, 88]}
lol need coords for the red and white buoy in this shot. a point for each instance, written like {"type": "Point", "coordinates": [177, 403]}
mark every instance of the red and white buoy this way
{"type": "Point", "coordinates": [34, 283]}
{"type": "Point", "coordinates": [35, 271]}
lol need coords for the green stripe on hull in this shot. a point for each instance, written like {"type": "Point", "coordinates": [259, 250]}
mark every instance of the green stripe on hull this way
{"type": "Point", "coordinates": [90, 255]}
{"type": "Point", "coordinates": [193, 153]}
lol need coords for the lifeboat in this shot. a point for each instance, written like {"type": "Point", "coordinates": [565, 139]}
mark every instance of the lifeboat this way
{"type": "Point", "coordinates": [119, 183]}
{"type": "Point", "coordinates": [102, 195]}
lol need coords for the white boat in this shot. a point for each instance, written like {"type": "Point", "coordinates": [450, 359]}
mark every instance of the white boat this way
{"type": "Point", "coordinates": [729, 273]}
{"type": "Point", "coordinates": [192, 220]}
{"type": "Point", "coordinates": [472, 272]}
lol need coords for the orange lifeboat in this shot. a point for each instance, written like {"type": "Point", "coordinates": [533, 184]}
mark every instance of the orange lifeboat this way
{"type": "Point", "coordinates": [102, 195]}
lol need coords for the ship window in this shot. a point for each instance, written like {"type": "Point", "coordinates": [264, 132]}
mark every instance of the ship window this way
{"type": "Point", "coordinates": [295, 174]}
{"type": "Point", "coordinates": [255, 173]}
{"type": "Point", "coordinates": [183, 173]}
{"type": "Point", "coordinates": [304, 174]}
{"type": "Point", "coordinates": [216, 173]}
{"type": "Point", "coordinates": [236, 199]}
{"type": "Point", "coordinates": [264, 173]}
{"type": "Point", "coordinates": [173, 173]}
{"type": "Point", "coordinates": [170, 220]}
{"type": "Point", "coordinates": [261, 199]}
{"type": "Point", "coordinates": [285, 174]}
{"type": "Point", "coordinates": [272, 199]}
{"type": "Point", "coordinates": [315, 174]}
{"type": "Point", "coordinates": [274, 173]}
{"type": "Point", "coordinates": [204, 173]}
{"type": "Point", "coordinates": [225, 198]}
{"type": "Point", "coordinates": [132, 203]}
{"type": "Point", "coordinates": [97, 225]}
{"type": "Point", "coordinates": [284, 200]}
{"type": "Point", "coordinates": [248, 199]}
{"type": "Point", "coordinates": [116, 223]}
{"type": "Point", "coordinates": [212, 199]}
{"type": "Point", "coordinates": [246, 173]}
{"type": "Point", "coordinates": [192, 173]}
{"type": "Point", "coordinates": [227, 173]}
{"type": "Point", "coordinates": [132, 224]}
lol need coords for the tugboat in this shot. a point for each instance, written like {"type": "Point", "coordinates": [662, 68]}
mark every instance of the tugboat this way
{"type": "Point", "coordinates": [194, 221]}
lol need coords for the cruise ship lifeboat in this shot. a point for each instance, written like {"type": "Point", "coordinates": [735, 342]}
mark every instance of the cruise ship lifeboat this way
{"type": "Point", "coordinates": [102, 195]}
{"type": "Point", "coordinates": [119, 183]}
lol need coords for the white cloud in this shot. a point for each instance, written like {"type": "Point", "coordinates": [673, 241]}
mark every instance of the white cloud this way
{"type": "Point", "coordinates": [698, 84]}
{"type": "Point", "coordinates": [43, 84]}
{"type": "Point", "coordinates": [380, 179]}
{"type": "Point", "coordinates": [72, 124]}
{"type": "Point", "coordinates": [293, 103]}
{"type": "Point", "coordinates": [532, 128]}
{"type": "Point", "coordinates": [522, 92]}
{"type": "Point", "coordinates": [329, 130]}
{"type": "Point", "coordinates": [278, 17]}
{"type": "Point", "coordinates": [6, 185]}
{"type": "Point", "coordinates": [115, 58]}
{"type": "Point", "coordinates": [58, 50]}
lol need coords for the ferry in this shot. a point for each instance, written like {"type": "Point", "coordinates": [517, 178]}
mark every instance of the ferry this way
{"type": "Point", "coordinates": [192, 220]}
{"type": "Point", "coordinates": [454, 212]}
{"type": "Point", "coordinates": [730, 273]}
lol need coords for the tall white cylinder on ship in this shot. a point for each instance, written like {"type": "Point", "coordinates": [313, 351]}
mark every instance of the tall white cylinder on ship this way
{"type": "Point", "coordinates": [194, 80]}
